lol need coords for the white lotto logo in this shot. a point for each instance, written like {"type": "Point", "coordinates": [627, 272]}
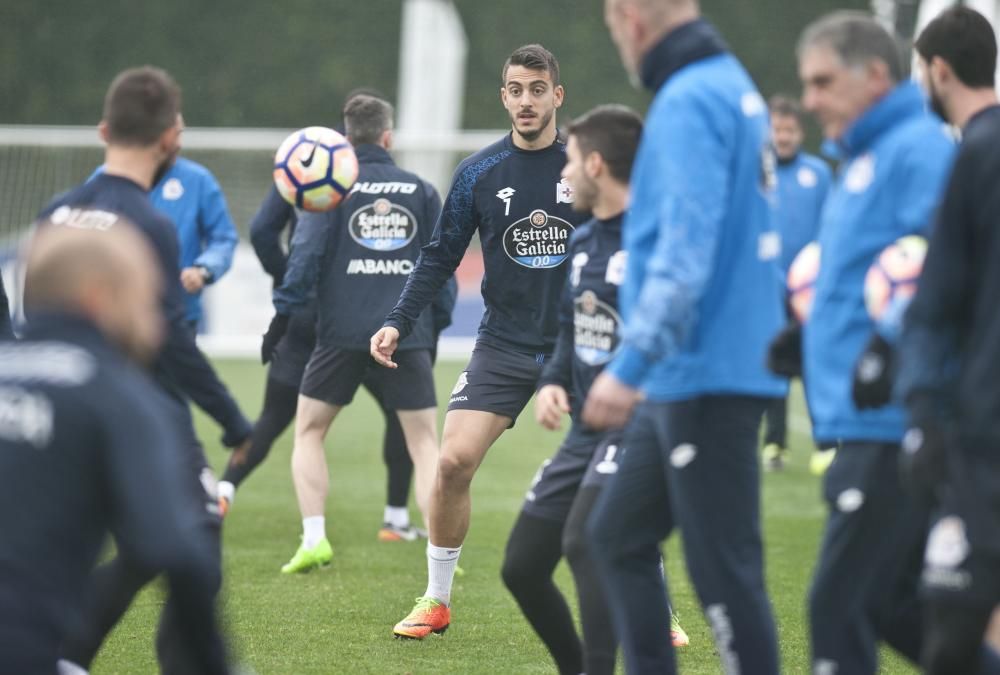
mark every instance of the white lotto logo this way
{"type": "Point", "coordinates": [463, 381]}
{"type": "Point", "coordinates": [84, 219]}
{"type": "Point", "coordinates": [173, 190]}
{"type": "Point", "coordinates": [807, 177]}
{"type": "Point", "coordinates": [615, 272]}
{"type": "Point", "coordinates": [752, 104]}
{"type": "Point", "coordinates": [389, 188]}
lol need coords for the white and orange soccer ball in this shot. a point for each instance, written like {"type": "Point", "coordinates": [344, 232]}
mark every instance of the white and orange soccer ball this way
{"type": "Point", "coordinates": [892, 279]}
{"type": "Point", "coordinates": [315, 168]}
{"type": "Point", "coordinates": [802, 280]}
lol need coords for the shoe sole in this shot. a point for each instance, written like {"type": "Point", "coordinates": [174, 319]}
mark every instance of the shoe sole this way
{"type": "Point", "coordinates": [307, 570]}
{"type": "Point", "coordinates": [404, 636]}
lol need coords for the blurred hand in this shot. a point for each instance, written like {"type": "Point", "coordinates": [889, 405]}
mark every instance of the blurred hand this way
{"type": "Point", "coordinates": [551, 403]}
{"type": "Point", "coordinates": [609, 403]}
{"type": "Point", "coordinates": [192, 279]}
{"type": "Point", "coordinates": [784, 354]}
{"type": "Point", "coordinates": [240, 453]}
{"type": "Point", "coordinates": [872, 386]}
{"type": "Point", "coordinates": [276, 331]}
{"type": "Point", "coordinates": [923, 464]}
{"type": "Point", "coordinates": [383, 346]}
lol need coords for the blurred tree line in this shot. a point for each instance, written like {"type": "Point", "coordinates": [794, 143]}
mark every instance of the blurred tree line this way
{"type": "Point", "coordinates": [289, 63]}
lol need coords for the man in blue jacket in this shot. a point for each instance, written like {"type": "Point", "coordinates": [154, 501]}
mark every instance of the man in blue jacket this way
{"type": "Point", "coordinates": [803, 182]}
{"type": "Point", "coordinates": [894, 161]}
{"type": "Point", "coordinates": [701, 298]}
{"type": "Point", "coordinates": [190, 196]}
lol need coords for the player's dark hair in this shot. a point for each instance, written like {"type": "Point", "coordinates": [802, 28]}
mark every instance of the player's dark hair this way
{"type": "Point", "coordinates": [532, 57]}
{"type": "Point", "coordinates": [613, 132]}
{"type": "Point", "coordinates": [965, 40]}
{"type": "Point", "coordinates": [140, 105]}
{"type": "Point", "coordinates": [856, 38]}
{"type": "Point", "coordinates": [366, 118]}
{"type": "Point", "coordinates": [786, 106]}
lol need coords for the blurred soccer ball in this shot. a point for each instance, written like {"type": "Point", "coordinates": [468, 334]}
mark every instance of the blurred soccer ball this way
{"type": "Point", "coordinates": [802, 280]}
{"type": "Point", "coordinates": [315, 168]}
{"type": "Point", "coordinates": [892, 279]}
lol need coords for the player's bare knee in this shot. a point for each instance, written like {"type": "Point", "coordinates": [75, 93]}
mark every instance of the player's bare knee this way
{"type": "Point", "coordinates": [455, 471]}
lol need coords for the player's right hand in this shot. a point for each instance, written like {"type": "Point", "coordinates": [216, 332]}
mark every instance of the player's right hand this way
{"type": "Point", "coordinates": [923, 462]}
{"type": "Point", "coordinates": [275, 331]}
{"type": "Point", "coordinates": [551, 403]}
{"type": "Point", "coordinates": [383, 346]}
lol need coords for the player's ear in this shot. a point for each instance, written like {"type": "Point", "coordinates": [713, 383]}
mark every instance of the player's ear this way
{"type": "Point", "coordinates": [386, 140]}
{"type": "Point", "coordinates": [102, 131]}
{"type": "Point", "coordinates": [559, 93]}
{"type": "Point", "coordinates": [503, 96]}
{"type": "Point", "coordinates": [593, 164]}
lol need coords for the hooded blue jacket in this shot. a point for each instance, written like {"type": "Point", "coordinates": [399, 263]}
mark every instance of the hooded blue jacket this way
{"type": "Point", "coordinates": [895, 159]}
{"type": "Point", "coordinates": [803, 183]}
{"type": "Point", "coordinates": [702, 295]}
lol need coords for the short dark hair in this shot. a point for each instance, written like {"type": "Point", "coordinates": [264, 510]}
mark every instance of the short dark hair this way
{"type": "Point", "coordinates": [965, 40]}
{"type": "Point", "coordinates": [140, 105]}
{"type": "Point", "coordinates": [613, 132]}
{"type": "Point", "coordinates": [786, 106]}
{"type": "Point", "coordinates": [532, 57]}
{"type": "Point", "coordinates": [366, 118]}
{"type": "Point", "coordinates": [856, 38]}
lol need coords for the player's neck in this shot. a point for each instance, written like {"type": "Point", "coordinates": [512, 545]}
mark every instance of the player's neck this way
{"type": "Point", "coordinates": [136, 164]}
{"type": "Point", "coordinates": [544, 139]}
{"type": "Point", "coordinates": [611, 200]}
{"type": "Point", "coordinates": [966, 107]}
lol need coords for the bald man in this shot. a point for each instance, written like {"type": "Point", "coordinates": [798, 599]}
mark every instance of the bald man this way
{"type": "Point", "coordinates": [73, 410]}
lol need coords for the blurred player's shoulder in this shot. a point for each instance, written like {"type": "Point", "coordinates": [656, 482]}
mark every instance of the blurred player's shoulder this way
{"type": "Point", "coordinates": [479, 162]}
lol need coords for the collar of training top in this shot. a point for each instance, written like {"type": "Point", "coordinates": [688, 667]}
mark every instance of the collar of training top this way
{"type": "Point", "coordinates": [62, 325]}
{"type": "Point", "coordinates": [690, 42]}
{"type": "Point", "coordinates": [368, 153]}
{"type": "Point", "coordinates": [906, 100]}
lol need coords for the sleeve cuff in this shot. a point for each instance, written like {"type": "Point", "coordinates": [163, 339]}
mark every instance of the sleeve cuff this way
{"type": "Point", "coordinates": [630, 367]}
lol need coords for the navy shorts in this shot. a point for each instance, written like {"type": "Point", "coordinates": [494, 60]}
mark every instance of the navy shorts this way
{"type": "Point", "coordinates": [585, 458]}
{"type": "Point", "coordinates": [294, 349]}
{"type": "Point", "coordinates": [497, 381]}
{"type": "Point", "coordinates": [334, 374]}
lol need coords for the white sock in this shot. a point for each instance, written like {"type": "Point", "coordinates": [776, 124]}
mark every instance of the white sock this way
{"type": "Point", "coordinates": [226, 490]}
{"type": "Point", "coordinates": [65, 667]}
{"type": "Point", "coordinates": [313, 530]}
{"type": "Point", "coordinates": [441, 564]}
{"type": "Point", "coordinates": [397, 516]}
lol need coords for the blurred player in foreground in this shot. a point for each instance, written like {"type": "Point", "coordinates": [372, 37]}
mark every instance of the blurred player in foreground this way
{"type": "Point", "coordinates": [699, 301]}
{"type": "Point", "coordinates": [81, 425]}
{"type": "Point", "coordinates": [894, 161]}
{"type": "Point", "coordinates": [950, 353]}
{"type": "Point", "coordinates": [141, 127]}
{"type": "Point", "coordinates": [599, 152]}
{"type": "Point", "coordinates": [513, 194]}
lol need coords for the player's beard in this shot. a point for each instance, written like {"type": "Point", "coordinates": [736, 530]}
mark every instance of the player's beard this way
{"type": "Point", "coordinates": [532, 136]}
{"type": "Point", "coordinates": [164, 167]}
{"type": "Point", "coordinates": [934, 99]}
{"type": "Point", "coordinates": [584, 194]}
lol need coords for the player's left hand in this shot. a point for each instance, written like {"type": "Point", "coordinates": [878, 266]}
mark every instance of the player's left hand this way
{"type": "Point", "coordinates": [872, 386]}
{"type": "Point", "coordinates": [551, 403]}
{"type": "Point", "coordinates": [609, 403]}
{"type": "Point", "coordinates": [192, 279]}
{"type": "Point", "coordinates": [923, 462]}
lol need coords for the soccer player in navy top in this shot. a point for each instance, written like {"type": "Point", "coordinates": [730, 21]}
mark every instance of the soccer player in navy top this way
{"type": "Point", "coordinates": [803, 181]}
{"type": "Point", "coordinates": [81, 426]}
{"type": "Point", "coordinates": [950, 353]}
{"type": "Point", "coordinates": [600, 149]}
{"type": "Point", "coordinates": [355, 259]}
{"type": "Point", "coordinates": [141, 126]}
{"type": "Point", "coordinates": [513, 195]}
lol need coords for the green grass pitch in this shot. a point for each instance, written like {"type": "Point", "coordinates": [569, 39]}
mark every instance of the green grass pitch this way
{"type": "Point", "coordinates": [339, 620]}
